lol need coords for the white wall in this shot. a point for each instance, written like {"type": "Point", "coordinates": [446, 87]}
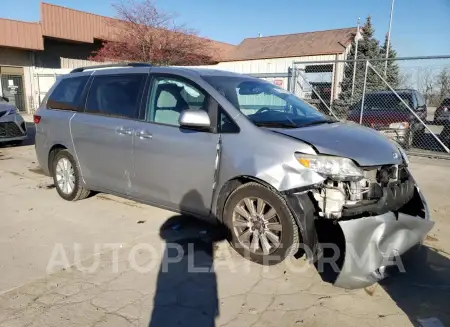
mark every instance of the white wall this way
{"type": "Point", "coordinates": [277, 65]}
{"type": "Point", "coordinates": [42, 79]}
{"type": "Point", "coordinates": [75, 63]}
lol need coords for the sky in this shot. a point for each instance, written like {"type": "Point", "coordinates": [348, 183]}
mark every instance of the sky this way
{"type": "Point", "coordinates": [420, 27]}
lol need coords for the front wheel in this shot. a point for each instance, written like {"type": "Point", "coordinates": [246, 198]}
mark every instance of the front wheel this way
{"type": "Point", "coordinates": [261, 226]}
{"type": "Point", "coordinates": [67, 178]}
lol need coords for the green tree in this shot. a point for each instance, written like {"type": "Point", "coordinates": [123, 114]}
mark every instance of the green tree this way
{"type": "Point", "coordinates": [392, 71]}
{"type": "Point", "coordinates": [368, 48]}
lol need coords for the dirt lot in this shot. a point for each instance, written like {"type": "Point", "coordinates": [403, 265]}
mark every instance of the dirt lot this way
{"type": "Point", "coordinates": [98, 262]}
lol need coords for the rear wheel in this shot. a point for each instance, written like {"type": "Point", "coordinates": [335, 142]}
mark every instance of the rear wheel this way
{"type": "Point", "coordinates": [261, 226]}
{"type": "Point", "coordinates": [66, 177]}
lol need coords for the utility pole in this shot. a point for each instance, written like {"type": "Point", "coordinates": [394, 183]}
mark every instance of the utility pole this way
{"type": "Point", "coordinates": [389, 38]}
{"type": "Point", "coordinates": [358, 37]}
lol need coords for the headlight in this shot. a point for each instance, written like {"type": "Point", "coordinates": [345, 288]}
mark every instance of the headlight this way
{"type": "Point", "coordinates": [12, 111]}
{"type": "Point", "coordinates": [335, 167]}
{"type": "Point", "coordinates": [402, 125]}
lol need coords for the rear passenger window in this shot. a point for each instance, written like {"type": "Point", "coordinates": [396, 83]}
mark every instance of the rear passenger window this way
{"type": "Point", "coordinates": [116, 95]}
{"type": "Point", "coordinates": [66, 95]}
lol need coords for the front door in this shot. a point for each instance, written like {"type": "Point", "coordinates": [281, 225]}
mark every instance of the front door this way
{"type": "Point", "coordinates": [174, 167]}
{"type": "Point", "coordinates": [103, 134]}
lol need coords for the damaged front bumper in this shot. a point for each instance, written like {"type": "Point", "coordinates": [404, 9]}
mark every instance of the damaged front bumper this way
{"type": "Point", "coordinates": [372, 244]}
{"type": "Point", "coordinates": [363, 246]}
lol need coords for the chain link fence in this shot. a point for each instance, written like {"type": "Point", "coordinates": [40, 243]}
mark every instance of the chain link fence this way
{"type": "Point", "coordinates": [406, 99]}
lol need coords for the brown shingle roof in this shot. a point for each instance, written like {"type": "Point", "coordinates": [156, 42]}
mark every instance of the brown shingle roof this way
{"type": "Point", "coordinates": [221, 51]}
{"type": "Point", "coordinates": [294, 45]}
{"type": "Point", "coordinates": [74, 25]}
{"type": "Point", "coordinates": [22, 35]}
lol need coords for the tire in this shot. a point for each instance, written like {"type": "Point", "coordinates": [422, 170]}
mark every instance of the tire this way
{"type": "Point", "coordinates": [283, 224]}
{"type": "Point", "coordinates": [75, 193]}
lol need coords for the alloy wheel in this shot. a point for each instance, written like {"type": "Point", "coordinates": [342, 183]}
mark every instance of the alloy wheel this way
{"type": "Point", "coordinates": [257, 225]}
{"type": "Point", "coordinates": [65, 176]}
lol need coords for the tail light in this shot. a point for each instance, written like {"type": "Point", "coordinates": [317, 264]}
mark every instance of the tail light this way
{"type": "Point", "coordinates": [36, 119]}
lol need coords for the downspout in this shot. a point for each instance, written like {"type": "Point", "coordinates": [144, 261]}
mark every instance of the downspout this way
{"type": "Point", "coordinates": [31, 108]}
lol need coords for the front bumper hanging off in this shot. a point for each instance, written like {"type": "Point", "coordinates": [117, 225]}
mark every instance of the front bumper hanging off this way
{"type": "Point", "coordinates": [367, 245]}
{"type": "Point", "coordinates": [374, 243]}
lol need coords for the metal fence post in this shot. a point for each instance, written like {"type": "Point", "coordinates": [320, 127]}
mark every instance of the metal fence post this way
{"type": "Point", "coordinates": [318, 95]}
{"type": "Point", "coordinates": [38, 89]}
{"type": "Point", "coordinates": [289, 81]}
{"type": "Point", "coordinates": [294, 79]}
{"type": "Point", "coordinates": [364, 92]}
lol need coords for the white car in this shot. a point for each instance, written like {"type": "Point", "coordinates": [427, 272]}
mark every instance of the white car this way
{"type": "Point", "coordinates": [12, 126]}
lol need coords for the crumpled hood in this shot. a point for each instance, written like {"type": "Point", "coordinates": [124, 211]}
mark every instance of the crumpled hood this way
{"type": "Point", "coordinates": [364, 145]}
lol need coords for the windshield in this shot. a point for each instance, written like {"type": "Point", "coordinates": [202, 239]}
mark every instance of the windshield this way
{"type": "Point", "coordinates": [266, 104]}
{"type": "Point", "coordinates": [383, 101]}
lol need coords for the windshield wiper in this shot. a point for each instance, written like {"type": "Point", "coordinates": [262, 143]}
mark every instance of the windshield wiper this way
{"type": "Point", "coordinates": [275, 124]}
{"type": "Point", "coordinates": [317, 122]}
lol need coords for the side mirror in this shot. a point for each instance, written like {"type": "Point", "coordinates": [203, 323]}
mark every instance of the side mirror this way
{"type": "Point", "coordinates": [194, 119]}
{"type": "Point", "coordinates": [6, 99]}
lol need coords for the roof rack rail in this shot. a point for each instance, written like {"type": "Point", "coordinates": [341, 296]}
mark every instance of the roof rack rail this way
{"type": "Point", "coordinates": [129, 64]}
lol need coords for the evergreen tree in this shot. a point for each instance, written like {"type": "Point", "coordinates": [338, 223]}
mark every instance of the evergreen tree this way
{"type": "Point", "coordinates": [368, 48]}
{"type": "Point", "coordinates": [393, 71]}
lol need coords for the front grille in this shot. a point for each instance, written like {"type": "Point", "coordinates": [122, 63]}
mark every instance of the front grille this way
{"type": "Point", "coordinates": [10, 129]}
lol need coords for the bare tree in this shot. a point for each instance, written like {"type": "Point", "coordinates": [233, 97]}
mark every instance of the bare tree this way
{"type": "Point", "coordinates": [144, 33]}
{"type": "Point", "coordinates": [404, 80]}
{"type": "Point", "coordinates": [426, 81]}
{"type": "Point", "coordinates": [443, 84]}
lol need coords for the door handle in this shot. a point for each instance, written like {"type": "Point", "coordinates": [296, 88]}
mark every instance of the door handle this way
{"type": "Point", "coordinates": [144, 135]}
{"type": "Point", "coordinates": [124, 131]}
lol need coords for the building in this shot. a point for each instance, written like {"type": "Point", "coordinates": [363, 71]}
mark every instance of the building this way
{"type": "Point", "coordinates": [274, 55]}
{"type": "Point", "coordinates": [32, 54]}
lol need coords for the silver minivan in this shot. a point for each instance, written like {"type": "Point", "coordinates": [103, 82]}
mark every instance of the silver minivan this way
{"type": "Point", "coordinates": [241, 151]}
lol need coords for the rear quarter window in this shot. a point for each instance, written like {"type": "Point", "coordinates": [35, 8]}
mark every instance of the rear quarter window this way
{"type": "Point", "coordinates": [66, 95]}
